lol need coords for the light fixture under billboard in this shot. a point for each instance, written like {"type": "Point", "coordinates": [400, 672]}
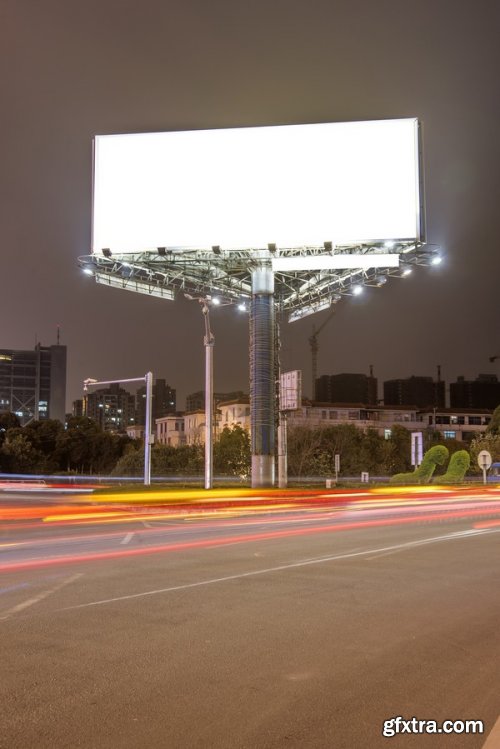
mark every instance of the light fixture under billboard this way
{"type": "Point", "coordinates": [286, 186]}
{"type": "Point", "coordinates": [335, 262]}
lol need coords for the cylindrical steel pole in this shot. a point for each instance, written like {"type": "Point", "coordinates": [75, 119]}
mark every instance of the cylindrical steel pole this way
{"type": "Point", "coordinates": [262, 375]}
{"type": "Point", "coordinates": [147, 429]}
{"type": "Point", "coordinates": [209, 411]}
{"type": "Point", "coordinates": [282, 452]}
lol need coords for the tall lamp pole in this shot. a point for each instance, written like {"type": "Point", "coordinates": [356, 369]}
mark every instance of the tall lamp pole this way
{"type": "Point", "coordinates": [208, 342]}
{"type": "Point", "coordinates": [148, 379]}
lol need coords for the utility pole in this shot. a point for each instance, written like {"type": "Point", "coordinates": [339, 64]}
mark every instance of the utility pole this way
{"type": "Point", "coordinates": [148, 437]}
{"type": "Point", "coordinates": [208, 342]}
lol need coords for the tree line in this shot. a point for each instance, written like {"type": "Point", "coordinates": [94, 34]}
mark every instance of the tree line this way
{"type": "Point", "coordinates": [82, 447]}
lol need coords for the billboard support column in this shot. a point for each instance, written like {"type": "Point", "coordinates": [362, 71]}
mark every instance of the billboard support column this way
{"type": "Point", "coordinates": [262, 374]}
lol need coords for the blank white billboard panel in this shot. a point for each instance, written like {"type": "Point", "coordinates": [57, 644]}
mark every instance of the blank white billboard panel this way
{"type": "Point", "coordinates": [292, 185]}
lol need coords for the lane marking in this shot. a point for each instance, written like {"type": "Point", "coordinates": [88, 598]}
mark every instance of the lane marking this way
{"type": "Point", "coordinates": [304, 563]}
{"type": "Point", "coordinates": [127, 538]}
{"type": "Point", "coordinates": [40, 597]}
{"type": "Point", "coordinates": [423, 543]}
{"type": "Point", "coordinates": [493, 738]}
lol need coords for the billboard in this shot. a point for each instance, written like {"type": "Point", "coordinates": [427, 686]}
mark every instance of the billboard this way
{"type": "Point", "coordinates": [291, 185]}
{"type": "Point", "coordinates": [291, 390]}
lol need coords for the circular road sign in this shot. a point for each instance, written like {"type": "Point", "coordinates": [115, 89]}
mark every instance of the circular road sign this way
{"type": "Point", "coordinates": [484, 459]}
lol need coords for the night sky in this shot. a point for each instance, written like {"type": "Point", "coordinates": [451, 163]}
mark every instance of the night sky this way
{"type": "Point", "coordinates": [73, 69]}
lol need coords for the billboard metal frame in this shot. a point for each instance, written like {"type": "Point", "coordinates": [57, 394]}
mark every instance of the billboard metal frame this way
{"type": "Point", "coordinates": [228, 274]}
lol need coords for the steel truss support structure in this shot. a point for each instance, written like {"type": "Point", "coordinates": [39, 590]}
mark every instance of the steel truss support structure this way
{"type": "Point", "coordinates": [248, 277]}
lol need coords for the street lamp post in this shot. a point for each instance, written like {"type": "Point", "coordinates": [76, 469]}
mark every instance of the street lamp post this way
{"type": "Point", "coordinates": [208, 342]}
{"type": "Point", "coordinates": [148, 379]}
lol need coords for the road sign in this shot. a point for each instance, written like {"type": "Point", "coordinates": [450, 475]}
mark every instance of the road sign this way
{"type": "Point", "coordinates": [484, 459]}
{"type": "Point", "coordinates": [416, 448]}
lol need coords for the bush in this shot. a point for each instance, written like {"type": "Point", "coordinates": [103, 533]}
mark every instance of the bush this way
{"type": "Point", "coordinates": [436, 456]}
{"type": "Point", "coordinates": [458, 467]}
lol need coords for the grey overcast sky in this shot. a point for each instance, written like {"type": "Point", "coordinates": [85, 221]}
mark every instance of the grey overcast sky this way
{"type": "Point", "coordinates": [72, 69]}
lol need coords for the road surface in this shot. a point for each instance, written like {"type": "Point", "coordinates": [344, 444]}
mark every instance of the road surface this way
{"type": "Point", "coordinates": [303, 626]}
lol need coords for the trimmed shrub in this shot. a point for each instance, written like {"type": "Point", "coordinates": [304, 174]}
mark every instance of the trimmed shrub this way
{"type": "Point", "coordinates": [436, 456]}
{"type": "Point", "coordinates": [457, 468]}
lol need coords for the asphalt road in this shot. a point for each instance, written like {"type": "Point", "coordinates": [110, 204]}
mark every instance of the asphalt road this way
{"type": "Point", "coordinates": [296, 629]}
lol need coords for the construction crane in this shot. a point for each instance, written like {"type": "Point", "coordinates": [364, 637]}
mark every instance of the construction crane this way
{"type": "Point", "coordinates": [313, 342]}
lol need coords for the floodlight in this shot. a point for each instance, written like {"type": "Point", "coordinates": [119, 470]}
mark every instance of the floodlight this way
{"type": "Point", "coordinates": [406, 271]}
{"type": "Point", "coordinates": [242, 307]}
{"type": "Point", "coordinates": [216, 300]}
{"type": "Point", "coordinates": [390, 244]}
{"type": "Point", "coordinates": [88, 271]}
{"type": "Point", "coordinates": [357, 290]}
{"type": "Point", "coordinates": [436, 260]}
{"type": "Point", "coordinates": [380, 280]}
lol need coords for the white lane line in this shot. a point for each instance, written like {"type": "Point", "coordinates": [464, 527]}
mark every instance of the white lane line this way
{"type": "Point", "coordinates": [127, 538]}
{"type": "Point", "coordinates": [40, 597]}
{"type": "Point", "coordinates": [458, 534]}
{"type": "Point", "coordinates": [493, 738]}
{"type": "Point", "coordinates": [281, 568]}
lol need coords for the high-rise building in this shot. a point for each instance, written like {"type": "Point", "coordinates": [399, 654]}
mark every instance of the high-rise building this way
{"type": "Point", "coordinates": [347, 388]}
{"type": "Point", "coordinates": [162, 404]}
{"type": "Point", "coordinates": [483, 392]}
{"type": "Point", "coordinates": [423, 392]}
{"type": "Point", "coordinates": [113, 408]}
{"type": "Point", "coordinates": [33, 383]}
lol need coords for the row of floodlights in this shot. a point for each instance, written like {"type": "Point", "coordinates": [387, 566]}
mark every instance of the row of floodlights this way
{"type": "Point", "coordinates": [272, 247]}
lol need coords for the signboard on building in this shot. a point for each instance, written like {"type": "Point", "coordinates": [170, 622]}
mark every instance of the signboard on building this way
{"type": "Point", "coordinates": [292, 185]}
{"type": "Point", "coordinates": [291, 390]}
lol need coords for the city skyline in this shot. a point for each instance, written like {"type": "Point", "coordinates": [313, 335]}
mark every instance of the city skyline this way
{"type": "Point", "coordinates": [326, 64]}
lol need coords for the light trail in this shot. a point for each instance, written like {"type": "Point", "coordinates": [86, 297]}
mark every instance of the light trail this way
{"type": "Point", "coordinates": [242, 538]}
